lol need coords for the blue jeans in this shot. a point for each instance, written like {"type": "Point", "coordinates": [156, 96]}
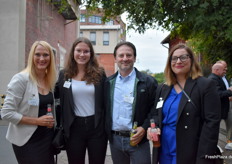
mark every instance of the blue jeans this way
{"type": "Point", "coordinates": [123, 153]}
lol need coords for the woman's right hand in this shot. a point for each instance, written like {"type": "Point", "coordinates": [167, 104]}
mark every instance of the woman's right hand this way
{"type": "Point", "coordinates": [46, 121]}
{"type": "Point", "coordinates": [149, 136]}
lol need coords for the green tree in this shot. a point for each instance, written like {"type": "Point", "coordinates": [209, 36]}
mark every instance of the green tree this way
{"type": "Point", "coordinates": [207, 24]}
{"type": "Point", "coordinates": [159, 77]}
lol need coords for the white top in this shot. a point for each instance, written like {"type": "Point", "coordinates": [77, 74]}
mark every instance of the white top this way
{"type": "Point", "coordinates": [83, 98]}
{"type": "Point", "coordinates": [226, 82]}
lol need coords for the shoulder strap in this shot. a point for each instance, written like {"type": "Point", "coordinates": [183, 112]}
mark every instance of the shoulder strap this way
{"type": "Point", "coordinates": [187, 96]}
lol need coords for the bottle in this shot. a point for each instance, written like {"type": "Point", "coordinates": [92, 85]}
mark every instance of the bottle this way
{"type": "Point", "coordinates": [49, 110]}
{"type": "Point", "coordinates": [155, 135]}
{"type": "Point", "coordinates": [133, 132]}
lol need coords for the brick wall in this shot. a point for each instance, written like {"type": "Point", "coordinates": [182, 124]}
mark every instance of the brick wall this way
{"type": "Point", "coordinates": [107, 61]}
{"type": "Point", "coordinates": [43, 22]}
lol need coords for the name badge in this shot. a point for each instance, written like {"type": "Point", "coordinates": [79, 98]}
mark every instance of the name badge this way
{"type": "Point", "coordinates": [160, 103]}
{"type": "Point", "coordinates": [67, 84]}
{"type": "Point", "coordinates": [128, 99]}
{"type": "Point", "coordinates": [33, 101]}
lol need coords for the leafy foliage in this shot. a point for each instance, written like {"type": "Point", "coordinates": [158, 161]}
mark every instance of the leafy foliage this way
{"type": "Point", "coordinates": [159, 77]}
{"type": "Point", "coordinates": [207, 24]}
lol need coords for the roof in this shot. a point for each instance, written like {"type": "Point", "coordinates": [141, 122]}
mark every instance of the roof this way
{"type": "Point", "coordinates": [166, 40]}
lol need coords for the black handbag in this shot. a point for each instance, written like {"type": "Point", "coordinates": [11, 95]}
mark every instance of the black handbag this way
{"type": "Point", "coordinates": [58, 141]}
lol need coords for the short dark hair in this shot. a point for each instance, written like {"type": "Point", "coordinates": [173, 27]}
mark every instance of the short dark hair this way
{"type": "Point", "coordinates": [129, 44]}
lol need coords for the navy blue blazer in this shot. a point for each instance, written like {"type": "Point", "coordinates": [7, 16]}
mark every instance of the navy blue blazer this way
{"type": "Point", "coordinates": [197, 128]}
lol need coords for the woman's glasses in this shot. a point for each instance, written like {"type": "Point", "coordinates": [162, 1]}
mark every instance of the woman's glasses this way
{"type": "Point", "coordinates": [183, 58]}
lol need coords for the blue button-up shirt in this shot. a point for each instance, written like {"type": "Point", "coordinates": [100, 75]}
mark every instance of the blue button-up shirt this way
{"type": "Point", "coordinates": [123, 102]}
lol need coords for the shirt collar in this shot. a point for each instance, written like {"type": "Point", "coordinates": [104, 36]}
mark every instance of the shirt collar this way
{"type": "Point", "coordinates": [128, 76]}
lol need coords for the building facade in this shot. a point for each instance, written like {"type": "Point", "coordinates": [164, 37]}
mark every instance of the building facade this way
{"type": "Point", "coordinates": [25, 21]}
{"type": "Point", "coordinates": [104, 36]}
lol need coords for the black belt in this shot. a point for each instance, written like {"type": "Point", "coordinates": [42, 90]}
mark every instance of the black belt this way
{"type": "Point", "coordinates": [86, 119]}
{"type": "Point", "coordinates": [121, 133]}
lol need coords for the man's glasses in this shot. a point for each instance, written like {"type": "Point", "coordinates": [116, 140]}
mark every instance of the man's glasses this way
{"type": "Point", "coordinates": [183, 58]}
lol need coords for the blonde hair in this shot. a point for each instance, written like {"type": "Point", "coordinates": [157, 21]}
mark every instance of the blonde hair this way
{"type": "Point", "coordinates": [195, 70]}
{"type": "Point", "coordinates": [51, 74]}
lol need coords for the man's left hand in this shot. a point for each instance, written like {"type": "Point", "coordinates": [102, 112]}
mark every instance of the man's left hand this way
{"type": "Point", "coordinates": [138, 136]}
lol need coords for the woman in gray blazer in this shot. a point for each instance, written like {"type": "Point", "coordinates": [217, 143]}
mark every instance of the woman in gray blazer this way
{"type": "Point", "coordinates": [29, 92]}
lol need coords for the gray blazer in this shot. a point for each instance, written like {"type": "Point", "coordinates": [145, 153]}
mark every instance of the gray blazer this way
{"type": "Point", "coordinates": [20, 89]}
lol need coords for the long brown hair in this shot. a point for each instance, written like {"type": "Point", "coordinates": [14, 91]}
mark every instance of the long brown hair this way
{"type": "Point", "coordinates": [93, 72]}
{"type": "Point", "coordinates": [195, 69]}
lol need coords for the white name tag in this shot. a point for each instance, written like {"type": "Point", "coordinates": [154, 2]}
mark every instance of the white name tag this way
{"type": "Point", "coordinates": [160, 103]}
{"type": "Point", "coordinates": [128, 99]}
{"type": "Point", "coordinates": [67, 84]}
{"type": "Point", "coordinates": [33, 101]}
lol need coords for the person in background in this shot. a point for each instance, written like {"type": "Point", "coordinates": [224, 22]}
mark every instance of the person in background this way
{"type": "Point", "coordinates": [80, 89]}
{"type": "Point", "coordinates": [187, 111]}
{"type": "Point", "coordinates": [218, 71]}
{"type": "Point", "coordinates": [227, 120]}
{"type": "Point", "coordinates": [29, 92]}
{"type": "Point", "coordinates": [129, 96]}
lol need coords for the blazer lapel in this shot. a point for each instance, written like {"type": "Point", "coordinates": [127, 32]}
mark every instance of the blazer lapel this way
{"type": "Point", "coordinates": [188, 89]}
{"type": "Point", "coordinates": [70, 95]}
{"type": "Point", "coordinates": [164, 94]}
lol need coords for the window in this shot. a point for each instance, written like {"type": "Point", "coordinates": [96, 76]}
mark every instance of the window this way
{"type": "Point", "coordinates": [93, 38]}
{"type": "Point", "coordinates": [95, 19]}
{"type": "Point", "coordinates": [82, 18]}
{"type": "Point", "coordinates": [106, 38]}
{"type": "Point", "coordinates": [81, 34]}
{"type": "Point", "coordinates": [111, 22]}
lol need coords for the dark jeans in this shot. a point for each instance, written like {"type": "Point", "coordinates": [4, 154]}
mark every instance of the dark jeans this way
{"type": "Point", "coordinates": [84, 136]}
{"type": "Point", "coordinates": [123, 153]}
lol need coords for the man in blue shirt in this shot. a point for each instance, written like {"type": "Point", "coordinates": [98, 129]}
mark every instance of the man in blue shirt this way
{"type": "Point", "coordinates": [129, 97]}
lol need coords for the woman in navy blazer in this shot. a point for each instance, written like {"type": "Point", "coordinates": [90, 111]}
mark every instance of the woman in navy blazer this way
{"type": "Point", "coordinates": [80, 89]}
{"type": "Point", "coordinates": [187, 110]}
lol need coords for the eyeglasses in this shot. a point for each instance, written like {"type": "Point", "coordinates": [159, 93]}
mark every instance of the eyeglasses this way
{"type": "Point", "coordinates": [84, 52]}
{"type": "Point", "coordinates": [39, 55]}
{"type": "Point", "coordinates": [183, 58]}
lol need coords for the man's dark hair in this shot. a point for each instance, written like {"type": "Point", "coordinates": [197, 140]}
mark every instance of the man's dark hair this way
{"type": "Point", "coordinates": [129, 44]}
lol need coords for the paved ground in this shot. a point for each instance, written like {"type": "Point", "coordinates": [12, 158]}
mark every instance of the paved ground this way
{"type": "Point", "coordinates": [7, 156]}
{"type": "Point", "coordinates": [62, 158]}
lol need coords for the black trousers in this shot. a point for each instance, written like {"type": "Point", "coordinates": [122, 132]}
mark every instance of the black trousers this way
{"type": "Point", "coordinates": [83, 136]}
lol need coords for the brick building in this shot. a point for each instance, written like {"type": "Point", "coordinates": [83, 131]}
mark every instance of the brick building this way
{"type": "Point", "coordinates": [25, 21]}
{"type": "Point", "coordinates": [44, 22]}
{"type": "Point", "coordinates": [103, 35]}
{"type": "Point", "coordinates": [172, 41]}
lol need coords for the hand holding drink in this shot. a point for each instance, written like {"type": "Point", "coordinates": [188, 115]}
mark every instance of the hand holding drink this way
{"type": "Point", "coordinates": [154, 134]}
{"type": "Point", "coordinates": [133, 132]}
